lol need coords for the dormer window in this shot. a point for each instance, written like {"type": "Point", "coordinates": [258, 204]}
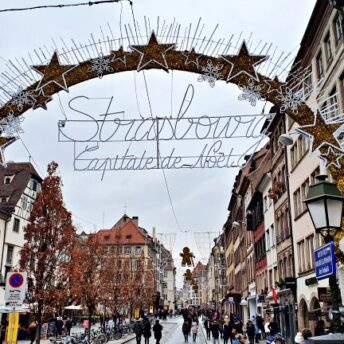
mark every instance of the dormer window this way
{"type": "Point", "coordinates": [4, 199]}
{"type": "Point", "coordinates": [8, 179]}
{"type": "Point", "coordinates": [107, 237]}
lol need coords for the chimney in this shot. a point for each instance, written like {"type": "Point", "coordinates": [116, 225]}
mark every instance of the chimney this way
{"type": "Point", "coordinates": [136, 220]}
{"type": "Point", "coordinates": [154, 233]}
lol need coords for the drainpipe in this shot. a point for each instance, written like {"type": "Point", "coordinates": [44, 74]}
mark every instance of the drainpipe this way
{"type": "Point", "coordinates": [3, 250]}
{"type": "Point", "coordinates": [291, 300]}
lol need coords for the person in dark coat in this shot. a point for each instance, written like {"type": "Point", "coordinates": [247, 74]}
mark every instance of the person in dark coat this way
{"type": "Point", "coordinates": [273, 326]}
{"type": "Point", "coordinates": [186, 330]}
{"type": "Point", "coordinates": [138, 330]}
{"type": "Point", "coordinates": [33, 331]}
{"type": "Point", "coordinates": [146, 330]}
{"type": "Point", "coordinates": [207, 327]}
{"type": "Point", "coordinates": [226, 332]}
{"type": "Point", "coordinates": [251, 331]}
{"type": "Point", "coordinates": [68, 326]}
{"type": "Point", "coordinates": [58, 326]}
{"type": "Point", "coordinates": [157, 329]}
{"type": "Point", "coordinates": [215, 331]}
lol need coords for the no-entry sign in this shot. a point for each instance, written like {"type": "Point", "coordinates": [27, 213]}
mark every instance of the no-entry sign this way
{"type": "Point", "coordinates": [15, 288]}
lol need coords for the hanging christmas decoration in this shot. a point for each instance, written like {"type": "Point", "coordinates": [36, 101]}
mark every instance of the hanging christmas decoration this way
{"type": "Point", "coordinates": [100, 66]}
{"type": "Point", "coordinates": [10, 126]}
{"type": "Point", "coordinates": [250, 92]}
{"type": "Point", "coordinates": [153, 55]}
{"type": "Point", "coordinates": [211, 73]}
{"type": "Point", "coordinates": [332, 156]}
{"type": "Point", "coordinates": [187, 256]}
{"type": "Point", "coordinates": [54, 73]}
{"type": "Point", "coordinates": [243, 64]}
{"type": "Point", "coordinates": [188, 275]}
{"type": "Point", "coordinates": [20, 99]}
{"type": "Point", "coordinates": [290, 99]}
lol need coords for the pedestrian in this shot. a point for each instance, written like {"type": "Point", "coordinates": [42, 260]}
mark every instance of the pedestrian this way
{"type": "Point", "coordinates": [250, 331]}
{"type": "Point", "coordinates": [138, 330]}
{"type": "Point", "coordinates": [226, 331]}
{"type": "Point", "coordinates": [194, 330]}
{"type": "Point", "coordinates": [146, 330]}
{"type": "Point", "coordinates": [186, 330]}
{"type": "Point", "coordinates": [266, 328]}
{"type": "Point", "coordinates": [215, 332]}
{"type": "Point", "coordinates": [306, 333]}
{"type": "Point", "coordinates": [319, 328]}
{"type": "Point", "coordinates": [273, 327]}
{"type": "Point", "coordinates": [33, 331]}
{"type": "Point", "coordinates": [157, 329]}
{"type": "Point", "coordinates": [68, 326]}
{"type": "Point", "coordinates": [298, 338]}
{"type": "Point", "coordinates": [207, 327]}
{"type": "Point", "coordinates": [221, 322]}
{"type": "Point", "coordinates": [58, 326]}
{"type": "Point", "coordinates": [279, 339]}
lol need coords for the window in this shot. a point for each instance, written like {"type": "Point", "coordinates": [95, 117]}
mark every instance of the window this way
{"type": "Point", "coordinates": [34, 185]}
{"type": "Point", "coordinates": [307, 85]}
{"type": "Point", "coordinates": [310, 245]}
{"type": "Point", "coordinates": [127, 250]}
{"type": "Point", "coordinates": [301, 255]}
{"type": "Point", "coordinates": [328, 49]}
{"type": "Point", "coordinates": [9, 256]}
{"type": "Point", "coordinates": [339, 28]}
{"type": "Point", "coordinates": [273, 236]}
{"type": "Point", "coordinates": [267, 240]}
{"type": "Point", "coordinates": [315, 173]}
{"type": "Point", "coordinates": [320, 66]}
{"type": "Point", "coordinates": [138, 250]}
{"type": "Point", "coordinates": [16, 224]}
{"type": "Point", "coordinates": [4, 199]}
{"type": "Point", "coordinates": [8, 180]}
{"type": "Point", "coordinates": [24, 203]}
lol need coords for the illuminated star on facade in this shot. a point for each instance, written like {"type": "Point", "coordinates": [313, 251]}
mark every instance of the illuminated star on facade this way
{"type": "Point", "coordinates": [243, 63]}
{"type": "Point", "coordinates": [332, 157]}
{"type": "Point", "coordinates": [54, 72]}
{"type": "Point", "coordinates": [319, 127]}
{"type": "Point", "coordinates": [153, 54]}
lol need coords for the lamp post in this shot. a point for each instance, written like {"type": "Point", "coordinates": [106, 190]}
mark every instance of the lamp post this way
{"type": "Point", "coordinates": [325, 204]}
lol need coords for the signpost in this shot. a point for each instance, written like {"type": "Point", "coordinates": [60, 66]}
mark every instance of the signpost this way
{"type": "Point", "coordinates": [325, 261]}
{"type": "Point", "coordinates": [14, 296]}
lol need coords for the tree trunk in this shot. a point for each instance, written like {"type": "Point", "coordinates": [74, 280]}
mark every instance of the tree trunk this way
{"type": "Point", "coordinates": [39, 324]}
{"type": "Point", "coordinates": [90, 324]}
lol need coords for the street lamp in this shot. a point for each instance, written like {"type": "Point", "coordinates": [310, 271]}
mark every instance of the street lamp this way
{"type": "Point", "coordinates": [325, 204]}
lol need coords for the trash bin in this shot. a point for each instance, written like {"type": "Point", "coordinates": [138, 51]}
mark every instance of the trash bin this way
{"type": "Point", "coordinates": [332, 338]}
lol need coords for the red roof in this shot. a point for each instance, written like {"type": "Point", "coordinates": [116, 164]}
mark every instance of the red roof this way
{"type": "Point", "coordinates": [124, 232]}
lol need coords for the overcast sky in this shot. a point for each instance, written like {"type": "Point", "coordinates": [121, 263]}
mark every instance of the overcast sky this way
{"type": "Point", "coordinates": [200, 197]}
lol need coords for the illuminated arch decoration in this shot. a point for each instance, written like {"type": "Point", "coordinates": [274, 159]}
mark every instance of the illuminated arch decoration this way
{"type": "Point", "coordinates": [240, 68]}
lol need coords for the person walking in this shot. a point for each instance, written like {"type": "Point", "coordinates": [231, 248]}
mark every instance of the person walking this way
{"type": "Point", "coordinates": [207, 327]}
{"type": "Point", "coordinates": [157, 329]}
{"type": "Point", "coordinates": [32, 331]}
{"type": "Point", "coordinates": [68, 326]}
{"type": "Point", "coordinates": [226, 332]}
{"type": "Point", "coordinates": [250, 331]}
{"type": "Point", "coordinates": [138, 330]}
{"type": "Point", "coordinates": [146, 330]}
{"type": "Point", "coordinates": [215, 332]}
{"type": "Point", "coordinates": [194, 330]}
{"type": "Point", "coordinates": [186, 330]}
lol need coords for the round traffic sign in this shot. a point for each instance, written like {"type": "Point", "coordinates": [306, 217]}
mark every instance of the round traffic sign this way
{"type": "Point", "coordinates": [16, 280]}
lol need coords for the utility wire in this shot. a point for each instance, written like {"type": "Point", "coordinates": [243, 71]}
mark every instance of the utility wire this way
{"type": "Point", "coordinates": [89, 3]}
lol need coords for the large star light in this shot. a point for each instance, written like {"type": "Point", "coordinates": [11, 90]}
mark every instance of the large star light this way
{"type": "Point", "coordinates": [53, 72]}
{"type": "Point", "coordinates": [153, 53]}
{"type": "Point", "coordinates": [243, 63]}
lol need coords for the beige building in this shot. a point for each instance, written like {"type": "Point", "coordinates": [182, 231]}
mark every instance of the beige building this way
{"type": "Point", "coordinates": [321, 57]}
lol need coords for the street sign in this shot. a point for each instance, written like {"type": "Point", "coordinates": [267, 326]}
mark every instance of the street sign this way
{"type": "Point", "coordinates": [325, 261]}
{"type": "Point", "coordinates": [15, 288]}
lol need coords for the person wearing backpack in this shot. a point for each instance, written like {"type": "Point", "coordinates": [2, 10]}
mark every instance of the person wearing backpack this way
{"type": "Point", "coordinates": [157, 329]}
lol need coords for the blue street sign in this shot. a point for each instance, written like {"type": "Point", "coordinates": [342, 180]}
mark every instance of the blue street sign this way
{"type": "Point", "coordinates": [325, 261]}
